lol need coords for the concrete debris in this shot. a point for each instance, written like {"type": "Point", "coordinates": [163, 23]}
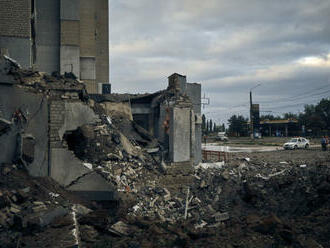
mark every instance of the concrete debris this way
{"type": "Point", "coordinates": [216, 165]}
{"type": "Point", "coordinates": [221, 216]}
{"type": "Point", "coordinates": [118, 184]}
{"type": "Point", "coordinates": [88, 165]}
{"type": "Point", "coordinates": [53, 195]}
{"type": "Point", "coordinates": [12, 62]}
{"type": "Point", "coordinates": [5, 126]}
{"type": "Point", "coordinates": [48, 217]}
{"type": "Point", "coordinates": [81, 210]}
{"type": "Point", "coordinates": [120, 228]}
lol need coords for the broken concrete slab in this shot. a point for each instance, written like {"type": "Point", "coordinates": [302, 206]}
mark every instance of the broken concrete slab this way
{"type": "Point", "coordinates": [221, 216]}
{"type": "Point", "coordinates": [6, 65]}
{"type": "Point", "coordinates": [179, 138]}
{"type": "Point", "coordinates": [120, 228]}
{"type": "Point", "coordinates": [82, 210]}
{"type": "Point", "coordinates": [5, 126]}
{"type": "Point", "coordinates": [77, 114]}
{"type": "Point", "coordinates": [33, 121]}
{"type": "Point", "coordinates": [94, 187]}
{"type": "Point", "coordinates": [48, 217]}
{"type": "Point", "coordinates": [127, 145]}
{"type": "Point", "coordinates": [66, 168]}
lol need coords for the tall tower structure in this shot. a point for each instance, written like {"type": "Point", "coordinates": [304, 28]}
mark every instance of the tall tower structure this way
{"type": "Point", "coordinates": [58, 35]}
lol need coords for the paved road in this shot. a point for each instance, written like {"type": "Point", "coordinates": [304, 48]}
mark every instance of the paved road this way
{"type": "Point", "coordinates": [221, 148]}
{"type": "Point", "coordinates": [215, 147]}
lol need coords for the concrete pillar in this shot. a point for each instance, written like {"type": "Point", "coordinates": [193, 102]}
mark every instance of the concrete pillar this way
{"type": "Point", "coordinates": [179, 138]}
{"type": "Point", "coordinates": [286, 130]}
{"type": "Point", "coordinates": [192, 135]}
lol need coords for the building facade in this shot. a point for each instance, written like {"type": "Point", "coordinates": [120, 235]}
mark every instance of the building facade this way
{"type": "Point", "coordinates": [58, 35]}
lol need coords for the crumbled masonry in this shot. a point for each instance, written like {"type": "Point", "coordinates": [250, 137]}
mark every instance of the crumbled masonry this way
{"type": "Point", "coordinates": [109, 182]}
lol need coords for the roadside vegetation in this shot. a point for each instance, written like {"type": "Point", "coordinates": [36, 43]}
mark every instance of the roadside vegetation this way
{"type": "Point", "coordinates": [315, 119]}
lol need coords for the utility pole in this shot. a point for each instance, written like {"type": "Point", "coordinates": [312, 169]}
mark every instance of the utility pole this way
{"type": "Point", "coordinates": [251, 119]}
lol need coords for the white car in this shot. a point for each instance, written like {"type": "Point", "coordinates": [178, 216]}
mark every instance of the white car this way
{"type": "Point", "coordinates": [222, 136]}
{"type": "Point", "coordinates": [296, 143]}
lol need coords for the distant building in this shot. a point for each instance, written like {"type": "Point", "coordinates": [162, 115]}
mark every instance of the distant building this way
{"type": "Point", "coordinates": [288, 127]}
{"type": "Point", "coordinates": [58, 35]}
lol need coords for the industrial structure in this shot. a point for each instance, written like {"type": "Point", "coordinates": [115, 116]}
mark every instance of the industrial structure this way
{"type": "Point", "coordinates": [58, 35]}
{"type": "Point", "coordinates": [287, 127]}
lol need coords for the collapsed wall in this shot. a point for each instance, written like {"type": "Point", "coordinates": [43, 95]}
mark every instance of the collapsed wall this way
{"type": "Point", "coordinates": [37, 110]}
{"type": "Point", "coordinates": [26, 115]}
{"type": "Point", "coordinates": [45, 117]}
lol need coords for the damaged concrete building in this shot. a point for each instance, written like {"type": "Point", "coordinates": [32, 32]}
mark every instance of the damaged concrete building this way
{"type": "Point", "coordinates": [52, 127]}
{"type": "Point", "coordinates": [173, 116]}
{"type": "Point", "coordinates": [61, 127]}
{"type": "Point", "coordinates": [36, 111]}
{"type": "Point", "coordinates": [59, 35]}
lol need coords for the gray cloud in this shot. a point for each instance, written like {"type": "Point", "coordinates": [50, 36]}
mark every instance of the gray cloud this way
{"type": "Point", "coordinates": [229, 46]}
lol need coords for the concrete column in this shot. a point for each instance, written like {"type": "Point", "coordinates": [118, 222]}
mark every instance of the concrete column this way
{"type": "Point", "coordinates": [179, 138]}
{"type": "Point", "coordinates": [286, 130]}
{"type": "Point", "coordinates": [192, 135]}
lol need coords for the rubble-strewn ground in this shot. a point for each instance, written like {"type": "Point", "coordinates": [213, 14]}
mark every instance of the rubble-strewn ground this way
{"type": "Point", "coordinates": [270, 199]}
{"type": "Point", "coordinates": [277, 199]}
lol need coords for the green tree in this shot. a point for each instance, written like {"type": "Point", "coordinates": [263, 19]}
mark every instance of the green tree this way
{"type": "Point", "coordinates": [316, 117]}
{"type": "Point", "coordinates": [203, 124]}
{"type": "Point", "coordinates": [211, 126]}
{"type": "Point", "coordinates": [238, 125]}
{"type": "Point", "coordinates": [290, 116]}
{"type": "Point", "coordinates": [207, 126]}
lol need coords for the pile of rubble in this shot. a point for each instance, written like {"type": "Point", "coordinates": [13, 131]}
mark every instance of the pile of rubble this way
{"type": "Point", "coordinates": [252, 203]}
{"type": "Point", "coordinates": [36, 211]}
{"type": "Point", "coordinates": [256, 201]}
{"type": "Point", "coordinates": [12, 72]}
{"type": "Point", "coordinates": [244, 203]}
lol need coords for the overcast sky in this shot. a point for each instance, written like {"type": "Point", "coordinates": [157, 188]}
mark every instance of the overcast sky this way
{"type": "Point", "coordinates": [228, 46]}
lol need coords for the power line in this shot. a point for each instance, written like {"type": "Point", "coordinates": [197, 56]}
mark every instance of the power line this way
{"type": "Point", "coordinates": [292, 105]}
{"type": "Point", "coordinates": [297, 97]}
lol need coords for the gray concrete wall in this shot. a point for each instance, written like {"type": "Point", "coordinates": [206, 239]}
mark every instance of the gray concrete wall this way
{"type": "Point", "coordinates": [180, 136]}
{"type": "Point", "coordinates": [18, 49]}
{"type": "Point", "coordinates": [15, 18]}
{"type": "Point", "coordinates": [48, 35]}
{"type": "Point", "coordinates": [178, 82]}
{"type": "Point", "coordinates": [70, 10]}
{"type": "Point", "coordinates": [102, 41]}
{"type": "Point", "coordinates": [193, 90]}
{"type": "Point", "coordinates": [198, 144]}
{"type": "Point", "coordinates": [70, 59]}
{"type": "Point", "coordinates": [159, 131]}
{"type": "Point", "coordinates": [87, 68]}
{"type": "Point", "coordinates": [35, 105]}
{"type": "Point", "coordinates": [142, 108]}
{"type": "Point", "coordinates": [76, 114]}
